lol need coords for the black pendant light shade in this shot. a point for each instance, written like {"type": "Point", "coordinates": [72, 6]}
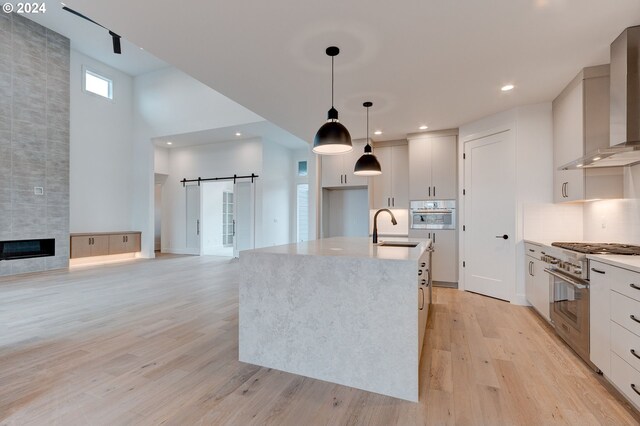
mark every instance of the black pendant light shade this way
{"type": "Point", "coordinates": [368, 164]}
{"type": "Point", "coordinates": [332, 138]}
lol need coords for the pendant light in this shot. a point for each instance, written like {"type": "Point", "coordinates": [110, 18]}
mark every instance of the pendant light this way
{"type": "Point", "coordinates": [368, 164]}
{"type": "Point", "coordinates": [332, 138]}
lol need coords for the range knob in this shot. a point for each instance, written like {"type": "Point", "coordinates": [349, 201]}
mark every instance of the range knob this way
{"type": "Point", "coordinates": [577, 270]}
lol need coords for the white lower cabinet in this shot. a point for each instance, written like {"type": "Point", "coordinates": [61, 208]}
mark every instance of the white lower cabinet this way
{"type": "Point", "coordinates": [445, 256]}
{"type": "Point", "coordinates": [424, 299]}
{"type": "Point", "coordinates": [600, 316]}
{"type": "Point", "coordinates": [537, 286]}
{"type": "Point", "coordinates": [615, 326]}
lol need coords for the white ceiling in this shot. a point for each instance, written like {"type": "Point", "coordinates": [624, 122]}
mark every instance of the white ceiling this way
{"type": "Point", "coordinates": [95, 42]}
{"type": "Point", "coordinates": [439, 63]}
{"type": "Point", "coordinates": [259, 129]}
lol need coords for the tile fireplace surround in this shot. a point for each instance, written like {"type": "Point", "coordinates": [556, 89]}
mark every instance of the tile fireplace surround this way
{"type": "Point", "coordinates": [34, 140]}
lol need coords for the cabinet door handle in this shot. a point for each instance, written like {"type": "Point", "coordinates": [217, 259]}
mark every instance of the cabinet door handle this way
{"type": "Point", "coordinates": [634, 286]}
{"type": "Point", "coordinates": [634, 353]}
{"type": "Point", "coordinates": [633, 386]}
{"type": "Point", "coordinates": [341, 179]}
{"type": "Point", "coordinates": [532, 250]}
{"type": "Point", "coordinates": [393, 201]}
{"type": "Point", "coordinates": [345, 178]}
{"type": "Point", "coordinates": [633, 317]}
{"type": "Point", "coordinates": [598, 271]}
{"type": "Point", "coordinates": [530, 268]}
{"type": "Point", "coordinates": [421, 294]}
{"type": "Point", "coordinates": [434, 191]}
{"type": "Point", "coordinates": [429, 191]}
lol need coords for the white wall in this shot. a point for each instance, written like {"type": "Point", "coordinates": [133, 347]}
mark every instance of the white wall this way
{"type": "Point", "coordinates": [101, 164]}
{"type": "Point", "coordinates": [169, 102]}
{"type": "Point", "coordinates": [533, 129]}
{"type": "Point", "coordinates": [277, 192]}
{"type": "Point", "coordinates": [215, 160]}
{"type": "Point", "coordinates": [161, 160]}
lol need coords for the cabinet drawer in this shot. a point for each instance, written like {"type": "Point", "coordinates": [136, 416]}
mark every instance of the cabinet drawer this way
{"type": "Point", "coordinates": [623, 342]}
{"type": "Point", "coordinates": [622, 310]}
{"type": "Point", "coordinates": [532, 250]}
{"type": "Point", "coordinates": [621, 279]}
{"type": "Point", "coordinates": [625, 377]}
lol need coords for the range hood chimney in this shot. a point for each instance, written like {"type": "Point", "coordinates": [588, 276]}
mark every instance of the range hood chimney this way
{"type": "Point", "coordinates": [624, 125]}
{"type": "Point", "coordinates": [625, 88]}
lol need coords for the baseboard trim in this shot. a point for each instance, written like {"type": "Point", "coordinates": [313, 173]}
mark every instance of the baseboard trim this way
{"type": "Point", "coordinates": [445, 284]}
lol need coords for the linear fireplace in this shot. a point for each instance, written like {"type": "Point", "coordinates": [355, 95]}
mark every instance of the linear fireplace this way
{"type": "Point", "coordinates": [24, 249]}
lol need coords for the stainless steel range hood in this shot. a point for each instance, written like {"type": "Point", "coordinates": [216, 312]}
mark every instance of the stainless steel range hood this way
{"type": "Point", "coordinates": [624, 133]}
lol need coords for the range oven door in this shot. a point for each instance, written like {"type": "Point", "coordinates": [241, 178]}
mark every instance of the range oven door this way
{"type": "Point", "coordinates": [569, 311]}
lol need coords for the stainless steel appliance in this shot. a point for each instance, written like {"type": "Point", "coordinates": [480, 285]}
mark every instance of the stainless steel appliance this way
{"type": "Point", "coordinates": [433, 214]}
{"type": "Point", "coordinates": [569, 279]}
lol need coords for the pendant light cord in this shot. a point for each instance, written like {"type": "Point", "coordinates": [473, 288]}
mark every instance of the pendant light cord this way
{"type": "Point", "coordinates": [332, 82]}
{"type": "Point", "coordinates": [367, 125]}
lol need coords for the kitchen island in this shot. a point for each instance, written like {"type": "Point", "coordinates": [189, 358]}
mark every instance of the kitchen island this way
{"type": "Point", "coordinates": [339, 309]}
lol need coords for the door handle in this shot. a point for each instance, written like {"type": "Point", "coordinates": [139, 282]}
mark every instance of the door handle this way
{"type": "Point", "coordinates": [234, 227]}
{"type": "Point", "coordinates": [504, 237]}
{"type": "Point", "coordinates": [198, 227]}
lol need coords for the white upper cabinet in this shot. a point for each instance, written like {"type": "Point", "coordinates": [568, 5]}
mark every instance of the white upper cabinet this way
{"type": "Point", "coordinates": [391, 188]}
{"type": "Point", "coordinates": [337, 170]}
{"type": "Point", "coordinates": [432, 167]}
{"type": "Point", "coordinates": [581, 125]}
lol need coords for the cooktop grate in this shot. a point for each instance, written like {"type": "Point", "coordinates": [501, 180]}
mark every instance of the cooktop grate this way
{"type": "Point", "coordinates": [600, 248]}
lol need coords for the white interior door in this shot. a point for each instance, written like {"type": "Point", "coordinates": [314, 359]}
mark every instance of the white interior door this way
{"type": "Point", "coordinates": [244, 217]}
{"type": "Point", "coordinates": [490, 216]}
{"type": "Point", "coordinates": [193, 219]}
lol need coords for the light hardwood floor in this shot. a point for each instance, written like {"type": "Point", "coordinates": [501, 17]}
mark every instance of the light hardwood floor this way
{"type": "Point", "coordinates": [155, 342]}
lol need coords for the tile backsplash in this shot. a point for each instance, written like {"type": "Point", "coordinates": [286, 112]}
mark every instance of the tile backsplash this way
{"type": "Point", "coordinates": [543, 222]}
{"type": "Point", "coordinates": [614, 221]}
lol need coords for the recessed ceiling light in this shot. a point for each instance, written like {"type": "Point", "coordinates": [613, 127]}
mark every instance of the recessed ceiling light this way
{"type": "Point", "coordinates": [377, 132]}
{"type": "Point", "coordinates": [596, 158]}
{"type": "Point", "coordinates": [238, 134]}
{"type": "Point", "coordinates": [579, 165]}
{"type": "Point", "coordinates": [507, 87]}
{"type": "Point", "coordinates": [169, 143]}
{"type": "Point", "coordinates": [423, 127]}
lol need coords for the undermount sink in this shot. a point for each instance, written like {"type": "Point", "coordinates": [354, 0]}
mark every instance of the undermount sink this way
{"type": "Point", "coordinates": [398, 244]}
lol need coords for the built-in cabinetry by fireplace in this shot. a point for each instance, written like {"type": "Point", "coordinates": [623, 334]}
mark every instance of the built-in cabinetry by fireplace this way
{"type": "Point", "coordinates": [104, 243]}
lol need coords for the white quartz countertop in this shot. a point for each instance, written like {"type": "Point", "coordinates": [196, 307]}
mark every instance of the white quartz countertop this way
{"type": "Point", "coordinates": [631, 263]}
{"type": "Point", "coordinates": [359, 247]}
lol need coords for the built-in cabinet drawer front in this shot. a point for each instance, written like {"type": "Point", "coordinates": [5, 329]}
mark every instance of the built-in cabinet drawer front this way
{"type": "Point", "coordinates": [533, 250]}
{"type": "Point", "coordinates": [622, 280]}
{"type": "Point", "coordinates": [626, 312]}
{"type": "Point", "coordinates": [626, 345]}
{"type": "Point", "coordinates": [626, 378]}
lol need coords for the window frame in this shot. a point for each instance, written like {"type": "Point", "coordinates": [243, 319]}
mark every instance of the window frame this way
{"type": "Point", "coordinates": [89, 70]}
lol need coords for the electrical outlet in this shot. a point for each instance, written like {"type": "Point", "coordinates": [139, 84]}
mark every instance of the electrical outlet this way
{"type": "Point", "coordinates": [38, 190]}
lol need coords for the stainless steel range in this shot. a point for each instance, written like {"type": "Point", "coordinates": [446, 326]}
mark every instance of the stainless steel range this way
{"type": "Point", "coordinates": [569, 278]}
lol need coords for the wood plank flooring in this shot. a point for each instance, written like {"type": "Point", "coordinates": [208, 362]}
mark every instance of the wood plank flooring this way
{"type": "Point", "coordinates": [155, 342]}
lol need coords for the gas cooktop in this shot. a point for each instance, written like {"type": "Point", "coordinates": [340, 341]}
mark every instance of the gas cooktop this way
{"type": "Point", "coordinates": [600, 248]}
